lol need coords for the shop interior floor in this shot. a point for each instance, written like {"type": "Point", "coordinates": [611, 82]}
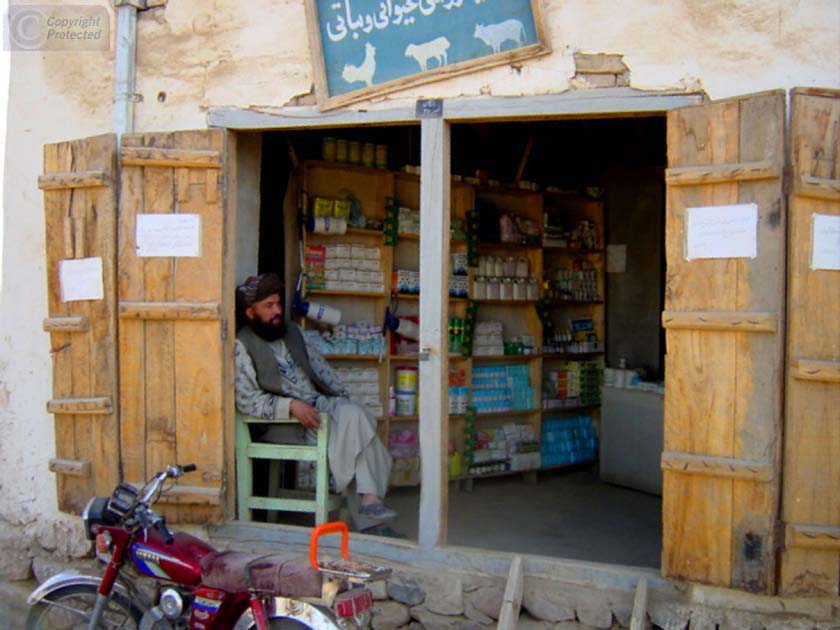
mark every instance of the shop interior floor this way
{"type": "Point", "coordinates": [566, 514]}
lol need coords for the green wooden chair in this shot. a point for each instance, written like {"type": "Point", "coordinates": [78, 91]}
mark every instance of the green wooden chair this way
{"type": "Point", "coordinates": [320, 503]}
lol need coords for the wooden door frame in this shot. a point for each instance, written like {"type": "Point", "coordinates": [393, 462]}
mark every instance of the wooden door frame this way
{"type": "Point", "coordinates": [598, 103]}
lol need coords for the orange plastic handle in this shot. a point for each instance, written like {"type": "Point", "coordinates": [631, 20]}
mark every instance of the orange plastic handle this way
{"type": "Point", "coordinates": [335, 527]}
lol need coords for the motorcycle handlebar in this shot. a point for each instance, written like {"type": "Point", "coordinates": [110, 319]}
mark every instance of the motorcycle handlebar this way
{"type": "Point", "coordinates": [189, 468]}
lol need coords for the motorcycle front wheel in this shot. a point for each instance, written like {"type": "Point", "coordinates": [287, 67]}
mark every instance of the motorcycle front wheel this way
{"type": "Point", "coordinates": [70, 608]}
{"type": "Point", "coordinates": [284, 623]}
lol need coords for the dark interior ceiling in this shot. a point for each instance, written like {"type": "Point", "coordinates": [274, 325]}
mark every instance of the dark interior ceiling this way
{"type": "Point", "coordinates": [565, 153]}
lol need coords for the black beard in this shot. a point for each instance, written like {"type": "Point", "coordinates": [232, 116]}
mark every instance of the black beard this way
{"type": "Point", "coordinates": [267, 331]}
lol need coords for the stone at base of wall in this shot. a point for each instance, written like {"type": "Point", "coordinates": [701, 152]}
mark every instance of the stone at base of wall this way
{"type": "Point", "coordinates": [61, 542]}
{"type": "Point", "coordinates": [455, 600]}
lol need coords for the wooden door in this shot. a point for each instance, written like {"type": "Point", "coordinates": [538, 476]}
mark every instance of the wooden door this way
{"type": "Point", "coordinates": [80, 213]}
{"type": "Point", "coordinates": [724, 319]}
{"type": "Point", "coordinates": [173, 315]}
{"type": "Point", "coordinates": [810, 562]}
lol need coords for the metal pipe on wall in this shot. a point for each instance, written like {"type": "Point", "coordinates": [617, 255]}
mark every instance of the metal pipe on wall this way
{"type": "Point", "coordinates": [124, 65]}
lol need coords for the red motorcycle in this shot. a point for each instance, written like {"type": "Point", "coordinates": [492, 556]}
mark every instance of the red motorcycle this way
{"type": "Point", "coordinates": [195, 586]}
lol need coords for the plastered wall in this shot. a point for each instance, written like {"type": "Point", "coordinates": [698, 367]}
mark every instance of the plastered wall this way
{"type": "Point", "coordinates": [193, 55]}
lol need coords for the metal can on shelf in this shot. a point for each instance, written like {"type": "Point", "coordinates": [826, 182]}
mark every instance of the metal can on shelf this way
{"type": "Point", "coordinates": [328, 149]}
{"type": "Point", "coordinates": [381, 157]}
{"type": "Point", "coordinates": [354, 152]}
{"type": "Point", "coordinates": [368, 154]}
{"type": "Point", "coordinates": [341, 150]}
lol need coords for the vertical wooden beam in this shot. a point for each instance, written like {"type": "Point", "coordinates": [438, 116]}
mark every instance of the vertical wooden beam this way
{"type": "Point", "coordinates": [637, 621]}
{"type": "Point", "coordinates": [435, 184]}
{"type": "Point", "coordinates": [512, 600]}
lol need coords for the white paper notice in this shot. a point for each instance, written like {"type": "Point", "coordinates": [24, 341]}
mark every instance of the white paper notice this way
{"type": "Point", "coordinates": [168, 235]}
{"type": "Point", "coordinates": [80, 279]}
{"type": "Point", "coordinates": [722, 231]}
{"type": "Point", "coordinates": [825, 242]}
{"type": "Point", "coordinates": [616, 258]}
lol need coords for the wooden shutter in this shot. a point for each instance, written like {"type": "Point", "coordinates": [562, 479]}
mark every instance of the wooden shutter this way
{"type": "Point", "coordinates": [811, 493]}
{"type": "Point", "coordinates": [174, 351]}
{"type": "Point", "coordinates": [724, 320]}
{"type": "Point", "coordinates": [80, 212]}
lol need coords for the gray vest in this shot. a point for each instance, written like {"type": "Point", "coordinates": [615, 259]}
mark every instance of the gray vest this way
{"type": "Point", "coordinates": [268, 372]}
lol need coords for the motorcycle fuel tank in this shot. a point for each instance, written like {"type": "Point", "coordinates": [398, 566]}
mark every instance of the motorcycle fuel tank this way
{"type": "Point", "coordinates": [176, 562]}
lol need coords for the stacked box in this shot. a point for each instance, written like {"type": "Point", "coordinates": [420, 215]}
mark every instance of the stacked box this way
{"type": "Point", "coordinates": [569, 440]}
{"type": "Point", "coordinates": [322, 207]}
{"type": "Point", "coordinates": [488, 339]}
{"type": "Point", "coordinates": [314, 260]}
{"type": "Point", "coordinates": [499, 388]}
{"type": "Point", "coordinates": [459, 393]}
{"type": "Point", "coordinates": [573, 383]}
{"type": "Point", "coordinates": [360, 338]}
{"type": "Point", "coordinates": [458, 286]}
{"type": "Point", "coordinates": [511, 447]}
{"type": "Point", "coordinates": [363, 385]}
{"type": "Point", "coordinates": [346, 267]}
{"type": "Point", "coordinates": [408, 220]}
{"type": "Point", "coordinates": [405, 281]}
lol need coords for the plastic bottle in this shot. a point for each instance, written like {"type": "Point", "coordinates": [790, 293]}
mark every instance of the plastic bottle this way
{"type": "Point", "coordinates": [392, 402]}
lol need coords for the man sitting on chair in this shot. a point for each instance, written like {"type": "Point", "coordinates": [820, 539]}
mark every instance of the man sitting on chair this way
{"type": "Point", "coordinates": [280, 376]}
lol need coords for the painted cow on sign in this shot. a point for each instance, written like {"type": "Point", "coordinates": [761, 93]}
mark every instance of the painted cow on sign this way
{"type": "Point", "coordinates": [494, 35]}
{"type": "Point", "coordinates": [435, 49]}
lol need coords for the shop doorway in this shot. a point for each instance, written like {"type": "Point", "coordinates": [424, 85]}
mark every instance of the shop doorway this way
{"type": "Point", "coordinates": [606, 172]}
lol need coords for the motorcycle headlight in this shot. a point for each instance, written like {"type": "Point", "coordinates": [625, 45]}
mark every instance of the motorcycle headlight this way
{"type": "Point", "coordinates": [94, 515]}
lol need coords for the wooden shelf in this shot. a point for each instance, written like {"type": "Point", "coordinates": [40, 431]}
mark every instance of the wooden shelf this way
{"type": "Point", "coordinates": [366, 294]}
{"type": "Point", "coordinates": [505, 357]}
{"type": "Point", "coordinates": [508, 302]}
{"type": "Point", "coordinates": [572, 250]}
{"type": "Point", "coordinates": [406, 296]}
{"type": "Point", "coordinates": [570, 409]}
{"type": "Point", "coordinates": [504, 414]}
{"type": "Point", "coordinates": [403, 418]}
{"type": "Point", "coordinates": [346, 166]}
{"type": "Point", "coordinates": [351, 231]}
{"type": "Point", "coordinates": [508, 246]}
{"type": "Point", "coordinates": [571, 355]}
{"type": "Point", "coordinates": [351, 357]}
{"type": "Point", "coordinates": [556, 302]}
{"type": "Point", "coordinates": [504, 190]}
{"type": "Point", "coordinates": [407, 236]}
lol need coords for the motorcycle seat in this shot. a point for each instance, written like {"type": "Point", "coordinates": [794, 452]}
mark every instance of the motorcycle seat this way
{"type": "Point", "coordinates": [283, 576]}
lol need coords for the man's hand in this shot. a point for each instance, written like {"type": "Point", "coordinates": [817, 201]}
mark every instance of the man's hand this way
{"type": "Point", "coordinates": [306, 414]}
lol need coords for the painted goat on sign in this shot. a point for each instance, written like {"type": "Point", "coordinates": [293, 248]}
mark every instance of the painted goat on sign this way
{"type": "Point", "coordinates": [363, 72]}
{"type": "Point", "coordinates": [435, 49]}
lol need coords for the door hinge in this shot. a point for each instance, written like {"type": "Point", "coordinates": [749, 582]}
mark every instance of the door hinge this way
{"type": "Point", "coordinates": [224, 331]}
